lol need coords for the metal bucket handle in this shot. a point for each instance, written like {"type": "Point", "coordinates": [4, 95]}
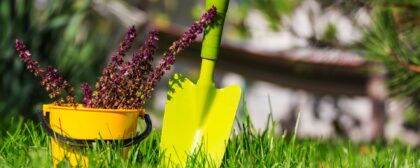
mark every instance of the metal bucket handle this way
{"type": "Point", "coordinates": [89, 142]}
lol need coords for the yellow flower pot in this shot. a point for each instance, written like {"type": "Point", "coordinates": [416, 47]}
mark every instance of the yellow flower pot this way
{"type": "Point", "coordinates": [75, 127]}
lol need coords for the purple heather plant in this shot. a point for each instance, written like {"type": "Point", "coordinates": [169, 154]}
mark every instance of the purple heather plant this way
{"type": "Point", "coordinates": [138, 71]}
{"type": "Point", "coordinates": [169, 56]}
{"type": "Point", "coordinates": [108, 87]}
{"type": "Point", "coordinates": [51, 79]}
{"type": "Point", "coordinates": [123, 85]}
{"type": "Point", "coordinates": [87, 92]}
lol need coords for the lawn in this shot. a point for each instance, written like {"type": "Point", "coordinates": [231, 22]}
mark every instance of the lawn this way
{"type": "Point", "coordinates": [23, 144]}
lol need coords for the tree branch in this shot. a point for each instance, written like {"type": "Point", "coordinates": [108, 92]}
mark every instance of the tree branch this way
{"type": "Point", "coordinates": [409, 66]}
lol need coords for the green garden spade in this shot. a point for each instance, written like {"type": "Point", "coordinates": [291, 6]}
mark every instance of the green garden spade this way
{"type": "Point", "coordinates": [198, 115]}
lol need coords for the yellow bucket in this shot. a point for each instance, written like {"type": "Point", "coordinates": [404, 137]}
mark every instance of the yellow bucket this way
{"type": "Point", "coordinates": [75, 127]}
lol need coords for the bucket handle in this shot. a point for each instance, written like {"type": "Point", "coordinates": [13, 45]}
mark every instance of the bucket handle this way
{"type": "Point", "coordinates": [89, 142]}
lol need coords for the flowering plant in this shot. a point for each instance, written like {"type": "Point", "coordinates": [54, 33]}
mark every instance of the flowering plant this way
{"type": "Point", "coordinates": [123, 84]}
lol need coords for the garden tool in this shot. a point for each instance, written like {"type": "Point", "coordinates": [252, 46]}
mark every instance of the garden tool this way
{"type": "Point", "coordinates": [199, 115]}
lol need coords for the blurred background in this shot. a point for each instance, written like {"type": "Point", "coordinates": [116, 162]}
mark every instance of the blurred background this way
{"type": "Point", "coordinates": [342, 68]}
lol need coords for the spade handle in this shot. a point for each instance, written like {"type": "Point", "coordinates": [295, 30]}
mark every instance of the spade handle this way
{"type": "Point", "coordinates": [211, 40]}
{"type": "Point", "coordinates": [213, 33]}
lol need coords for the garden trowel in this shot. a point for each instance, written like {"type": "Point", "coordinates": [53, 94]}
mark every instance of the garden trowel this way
{"type": "Point", "coordinates": [199, 115]}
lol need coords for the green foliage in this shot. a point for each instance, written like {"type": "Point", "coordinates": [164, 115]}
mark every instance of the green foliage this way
{"type": "Point", "coordinates": [330, 33]}
{"type": "Point", "coordinates": [274, 9]}
{"type": "Point", "coordinates": [394, 40]}
{"type": "Point", "coordinates": [66, 34]}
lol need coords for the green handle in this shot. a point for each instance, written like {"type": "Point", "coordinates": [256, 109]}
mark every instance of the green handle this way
{"type": "Point", "coordinates": [213, 34]}
{"type": "Point", "coordinates": [211, 42]}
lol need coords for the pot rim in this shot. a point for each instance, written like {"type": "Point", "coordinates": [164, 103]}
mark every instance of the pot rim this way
{"type": "Point", "coordinates": [79, 107]}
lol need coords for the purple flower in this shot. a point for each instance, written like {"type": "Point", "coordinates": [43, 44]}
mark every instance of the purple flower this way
{"type": "Point", "coordinates": [24, 54]}
{"type": "Point", "coordinates": [129, 85]}
{"type": "Point", "coordinates": [197, 28]}
{"type": "Point", "coordinates": [169, 56]}
{"type": "Point", "coordinates": [108, 82]}
{"type": "Point", "coordinates": [123, 84]}
{"type": "Point", "coordinates": [140, 69]}
{"type": "Point", "coordinates": [87, 92]}
{"type": "Point", "coordinates": [51, 79]}
{"type": "Point", "coordinates": [125, 45]}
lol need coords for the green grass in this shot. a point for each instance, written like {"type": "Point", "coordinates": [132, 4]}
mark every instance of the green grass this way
{"type": "Point", "coordinates": [25, 145]}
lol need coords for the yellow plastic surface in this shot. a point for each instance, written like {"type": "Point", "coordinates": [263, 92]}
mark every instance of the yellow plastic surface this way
{"type": "Point", "coordinates": [88, 123]}
{"type": "Point", "coordinates": [197, 115]}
